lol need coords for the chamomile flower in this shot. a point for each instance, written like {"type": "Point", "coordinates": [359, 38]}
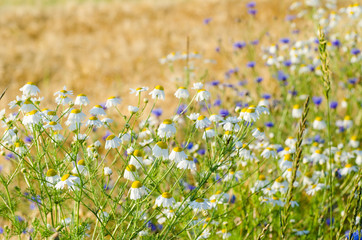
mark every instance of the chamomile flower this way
{"type": "Point", "coordinates": [202, 122]}
{"type": "Point", "coordinates": [81, 100]}
{"type": "Point", "coordinates": [258, 133]}
{"type": "Point", "coordinates": [197, 86]}
{"type": "Point", "coordinates": [75, 117]}
{"type": "Point", "coordinates": [130, 173]}
{"type": "Point", "coordinates": [269, 153]}
{"type": "Point", "coordinates": [181, 93]}
{"type": "Point", "coordinates": [312, 189]}
{"type": "Point", "coordinates": [64, 92]}
{"type": "Point", "coordinates": [30, 89]}
{"type": "Point", "coordinates": [138, 91]}
{"type": "Point", "coordinates": [260, 183]}
{"type": "Point", "coordinates": [166, 129]}
{"type": "Point", "coordinates": [224, 233]}
{"type": "Point", "coordinates": [97, 110]}
{"type": "Point", "coordinates": [80, 168]}
{"type": "Point", "coordinates": [354, 142]}
{"type": "Point", "coordinates": [94, 122]}
{"type": "Point", "coordinates": [289, 172]}
{"type": "Point", "coordinates": [53, 126]}
{"type": "Point", "coordinates": [136, 159]}
{"type": "Point", "coordinates": [319, 157]}
{"type": "Point", "coordinates": [275, 201]}
{"type": "Point", "coordinates": [177, 155]}
{"type": "Point", "coordinates": [290, 142]}
{"type": "Point", "coordinates": [209, 133]}
{"type": "Point", "coordinates": [348, 168]}
{"type": "Point", "coordinates": [132, 109]}
{"type": "Point", "coordinates": [107, 171]}
{"type": "Point", "coordinates": [68, 182]}
{"type": "Point", "coordinates": [280, 185]}
{"type": "Point", "coordinates": [187, 163]}
{"type": "Point", "coordinates": [52, 178]}
{"type": "Point", "coordinates": [233, 176]}
{"type": "Point", "coordinates": [319, 124]}
{"type": "Point", "coordinates": [200, 204]}
{"type": "Point", "coordinates": [32, 118]}
{"type": "Point", "coordinates": [112, 141]}
{"type": "Point", "coordinates": [286, 162]}
{"type": "Point", "coordinates": [202, 95]}
{"type": "Point", "coordinates": [137, 190]}
{"type": "Point", "coordinates": [27, 106]}
{"type": "Point", "coordinates": [160, 150]}
{"type": "Point", "coordinates": [220, 197]}
{"type": "Point", "coordinates": [63, 100]}
{"type": "Point", "coordinates": [158, 93]}
{"type": "Point", "coordinates": [215, 118]}
{"type": "Point", "coordinates": [165, 200]}
{"type": "Point", "coordinates": [250, 114]}
{"type": "Point", "coordinates": [297, 111]}
{"type": "Point", "coordinates": [113, 102]}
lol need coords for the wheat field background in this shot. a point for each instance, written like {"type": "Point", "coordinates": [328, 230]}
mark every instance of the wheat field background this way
{"type": "Point", "coordinates": [103, 48]}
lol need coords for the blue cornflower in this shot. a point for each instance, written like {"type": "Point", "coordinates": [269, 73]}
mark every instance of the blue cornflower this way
{"type": "Point", "coordinates": [293, 92]}
{"type": "Point", "coordinates": [217, 49]}
{"type": "Point", "coordinates": [157, 112]}
{"type": "Point", "coordinates": [328, 221]}
{"type": "Point", "coordinates": [355, 51]}
{"type": "Point", "coordinates": [224, 112]}
{"type": "Point", "coordinates": [311, 68]}
{"type": "Point", "coordinates": [251, 4]}
{"type": "Point", "coordinates": [233, 199]}
{"type": "Point", "coordinates": [28, 139]}
{"type": "Point", "coordinates": [181, 109]}
{"type": "Point", "coordinates": [287, 63]}
{"type": "Point", "coordinates": [255, 42]}
{"type": "Point", "coordinates": [201, 151]}
{"type": "Point", "coordinates": [19, 219]}
{"type": "Point", "coordinates": [215, 82]}
{"type": "Point", "coordinates": [333, 104]}
{"type": "Point", "coordinates": [10, 156]}
{"type": "Point", "coordinates": [252, 11]}
{"type": "Point", "coordinates": [188, 146]}
{"type": "Point", "coordinates": [207, 20]}
{"type": "Point", "coordinates": [250, 64]}
{"type": "Point", "coordinates": [355, 235]}
{"type": "Point", "coordinates": [290, 17]}
{"type": "Point", "coordinates": [152, 226]}
{"type": "Point", "coordinates": [239, 45]}
{"type": "Point", "coordinates": [217, 102]}
{"type": "Point", "coordinates": [269, 124]}
{"type": "Point", "coordinates": [1, 230]}
{"type": "Point", "coordinates": [317, 100]}
{"type": "Point", "coordinates": [352, 81]}
{"type": "Point", "coordinates": [336, 43]}
{"type": "Point", "coordinates": [284, 40]}
{"type": "Point", "coordinates": [266, 96]}
{"type": "Point", "coordinates": [282, 76]}
{"type": "Point", "coordinates": [259, 79]}
{"type": "Point", "coordinates": [242, 82]}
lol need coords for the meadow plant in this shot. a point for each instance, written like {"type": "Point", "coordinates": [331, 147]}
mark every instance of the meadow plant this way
{"type": "Point", "coordinates": [235, 159]}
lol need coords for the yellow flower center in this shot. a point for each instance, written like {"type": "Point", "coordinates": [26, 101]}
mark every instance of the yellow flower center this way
{"type": "Point", "coordinates": [354, 138]}
{"type": "Point", "coordinates": [218, 192]}
{"type": "Point", "coordinates": [131, 168]}
{"type": "Point", "coordinates": [318, 119]}
{"type": "Point", "coordinates": [166, 195]}
{"type": "Point", "coordinates": [110, 137]}
{"type": "Point", "coordinates": [347, 118]}
{"type": "Point", "coordinates": [75, 111]}
{"type": "Point", "coordinates": [279, 179]}
{"type": "Point", "coordinates": [81, 95]}
{"type": "Point", "coordinates": [262, 177]}
{"type": "Point", "coordinates": [27, 101]}
{"type": "Point", "coordinates": [113, 97]}
{"type": "Point", "coordinates": [181, 88]}
{"type": "Point", "coordinates": [159, 87]}
{"type": "Point", "coordinates": [296, 106]}
{"type": "Point", "coordinates": [137, 153]}
{"type": "Point", "coordinates": [213, 200]}
{"type": "Point", "coordinates": [93, 118]}
{"type": "Point", "coordinates": [287, 157]}
{"type": "Point", "coordinates": [201, 117]}
{"type": "Point", "coordinates": [81, 162]}
{"type": "Point", "coordinates": [250, 110]}
{"type": "Point", "coordinates": [167, 121]}
{"type": "Point", "coordinates": [30, 83]}
{"type": "Point", "coordinates": [136, 184]}
{"type": "Point", "coordinates": [348, 165]}
{"type": "Point", "coordinates": [32, 112]}
{"type": "Point", "coordinates": [318, 151]}
{"type": "Point", "coordinates": [65, 177]}
{"type": "Point", "coordinates": [162, 145]}
{"type": "Point", "coordinates": [177, 149]}
{"type": "Point", "coordinates": [201, 90]}
{"type": "Point", "coordinates": [51, 173]}
{"type": "Point", "coordinates": [275, 198]}
{"type": "Point", "coordinates": [199, 200]}
{"type": "Point", "coordinates": [98, 106]}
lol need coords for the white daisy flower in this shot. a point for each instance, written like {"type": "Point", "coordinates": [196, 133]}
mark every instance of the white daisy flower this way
{"type": "Point", "coordinates": [94, 122]}
{"type": "Point", "coordinates": [177, 155]}
{"type": "Point", "coordinates": [165, 200]}
{"type": "Point", "coordinates": [112, 141]}
{"type": "Point", "coordinates": [32, 118]}
{"type": "Point", "coordinates": [80, 168]}
{"type": "Point", "coordinates": [133, 109]}
{"type": "Point", "coordinates": [158, 93]}
{"type": "Point", "coordinates": [166, 129]}
{"type": "Point", "coordinates": [30, 89]}
{"type": "Point", "coordinates": [160, 150]}
{"type": "Point", "coordinates": [187, 164]}
{"type": "Point", "coordinates": [52, 178]}
{"type": "Point", "coordinates": [250, 114]}
{"type": "Point", "coordinates": [262, 182]}
{"type": "Point", "coordinates": [54, 126]}
{"type": "Point", "coordinates": [136, 159]}
{"type": "Point", "coordinates": [113, 102]}
{"type": "Point", "coordinates": [27, 106]}
{"type": "Point", "coordinates": [202, 95]}
{"type": "Point", "coordinates": [137, 190]}
{"type": "Point", "coordinates": [107, 171]}
{"type": "Point", "coordinates": [182, 92]}
{"type": "Point", "coordinates": [97, 110]}
{"type": "Point", "coordinates": [197, 86]}
{"type": "Point", "coordinates": [319, 124]}
{"type": "Point", "coordinates": [68, 181]}
{"type": "Point", "coordinates": [130, 173]}
{"type": "Point", "coordinates": [209, 133]}
{"type": "Point", "coordinates": [139, 90]}
{"type": "Point", "coordinates": [216, 118]}
{"type": "Point", "coordinates": [81, 100]}
{"type": "Point", "coordinates": [200, 204]}
{"type": "Point", "coordinates": [269, 153]}
{"type": "Point", "coordinates": [297, 111]}
{"type": "Point", "coordinates": [202, 122]}
{"type": "Point", "coordinates": [312, 189]}
{"type": "Point", "coordinates": [348, 168]}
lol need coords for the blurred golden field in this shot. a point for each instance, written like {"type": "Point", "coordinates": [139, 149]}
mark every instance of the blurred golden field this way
{"type": "Point", "coordinates": [104, 48]}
